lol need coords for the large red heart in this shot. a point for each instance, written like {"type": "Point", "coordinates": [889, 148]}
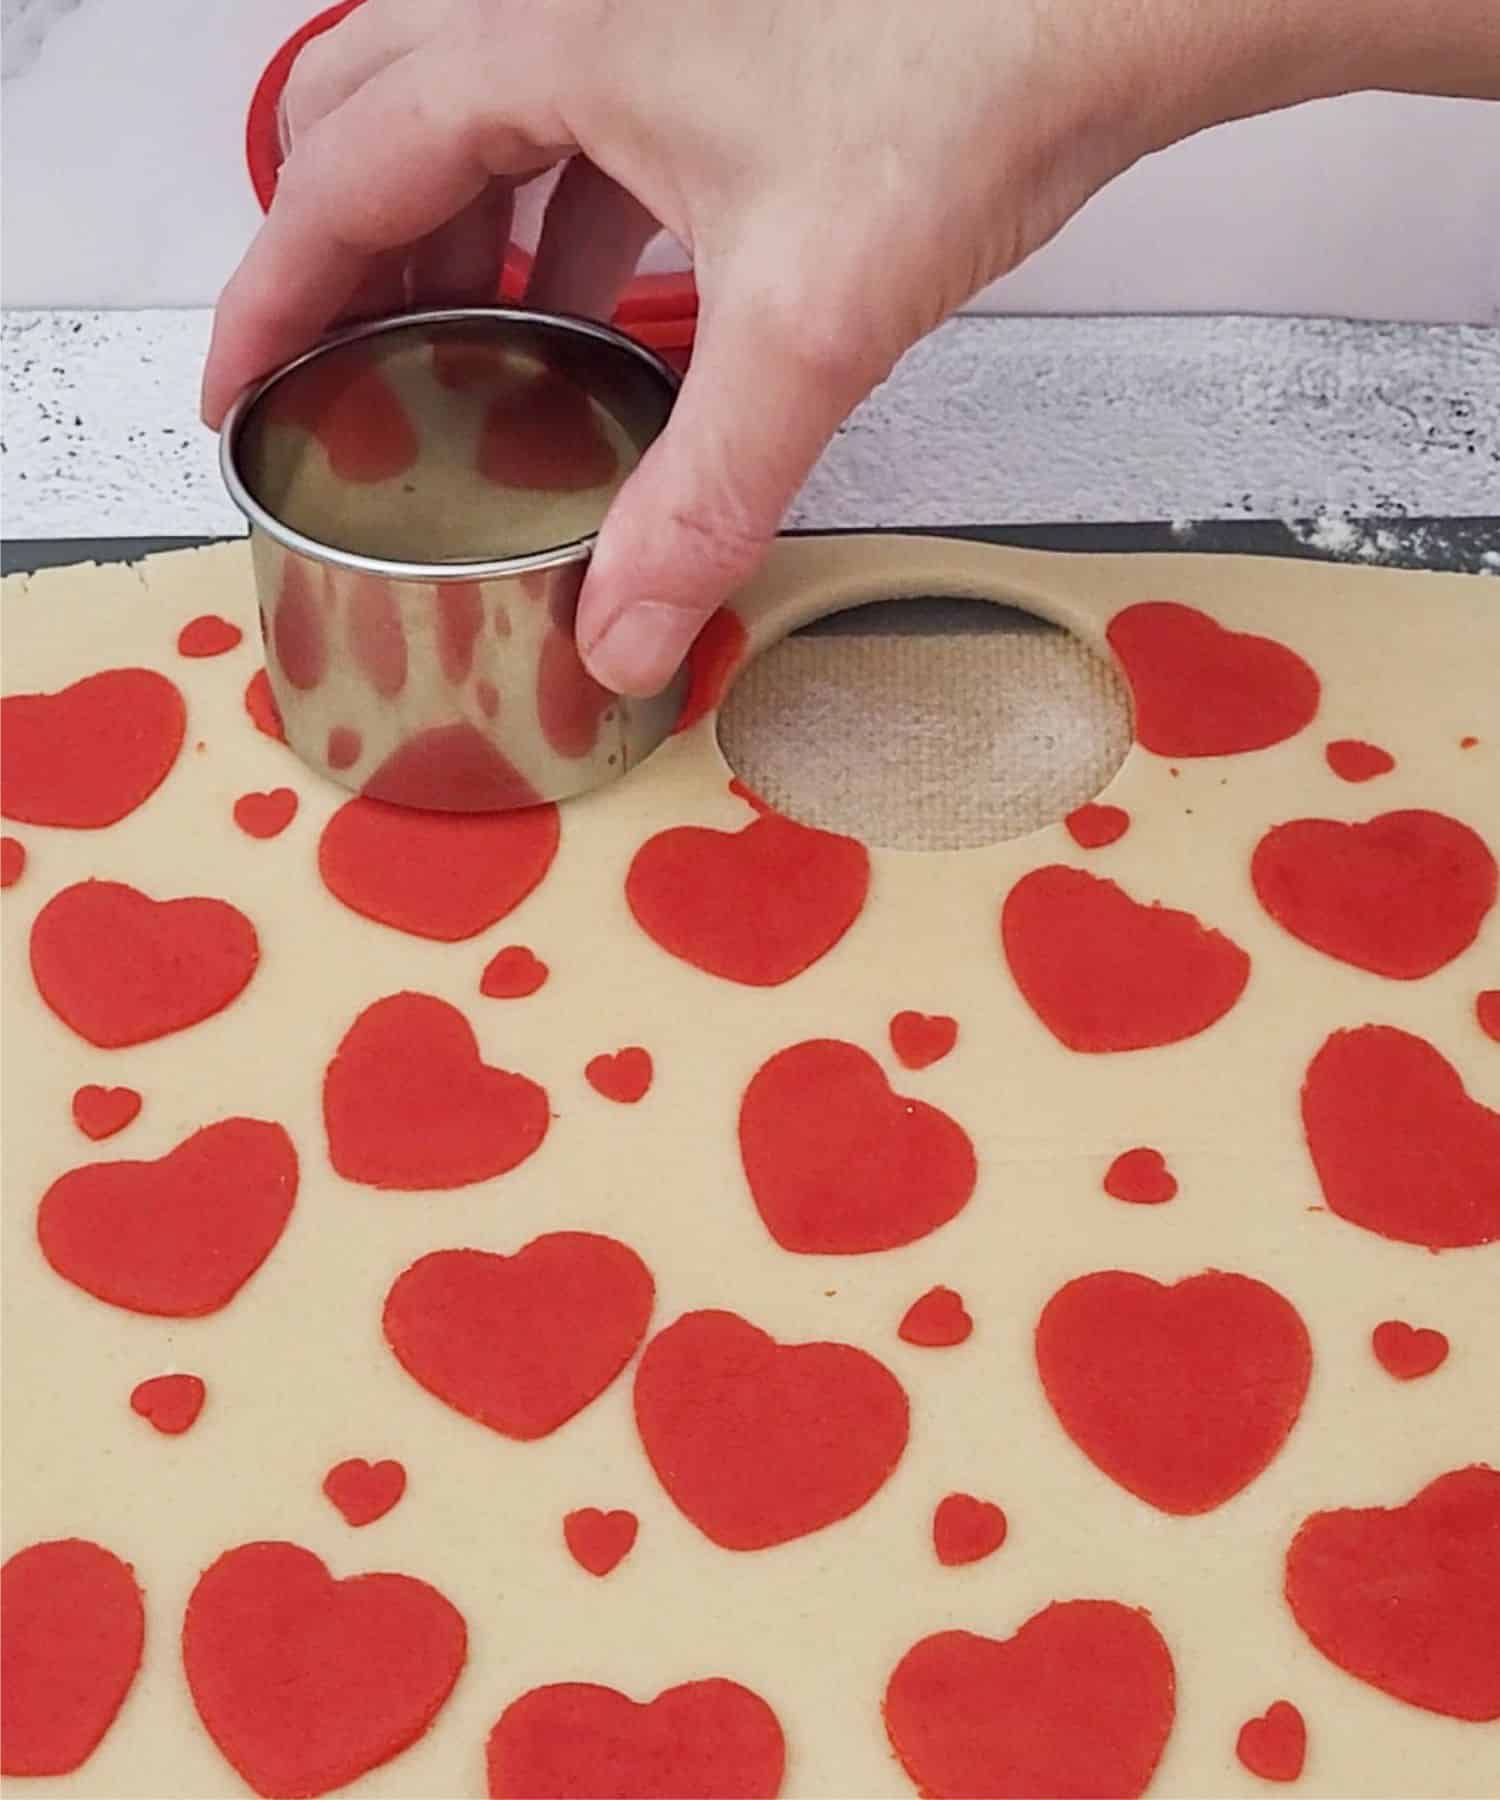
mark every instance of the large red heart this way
{"type": "Point", "coordinates": [121, 968]}
{"type": "Point", "coordinates": [759, 1442]}
{"type": "Point", "coordinates": [1104, 972]}
{"type": "Point", "coordinates": [1400, 895]}
{"type": "Point", "coordinates": [437, 875]}
{"type": "Point", "coordinates": [706, 1740]}
{"type": "Point", "coordinates": [71, 1630]}
{"type": "Point", "coordinates": [1200, 690]}
{"type": "Point", "coordinates": [1398, 1145]}
{"type": "Point", "coordinates": [408, 1104]}
{"type": "Point", "coordinates": [91, 754]}
{"type": "Point", "coordinates": [1182, 1394]}
{"type": "Point", "coordinates": [179, 1237]}
{"type": "Point", "coordinates": [1407, 1598]}
{"type": "Point", "coordinates": [521, 1343]}
{"type": "Point", "coordinates": [1077, 1705]}
{"type": "Point", "coordinates": [839, 1164]}
{"type": "Point", "coordinates": [756, 906]}
{"type": "Point", "coordinates": [306, 1683]}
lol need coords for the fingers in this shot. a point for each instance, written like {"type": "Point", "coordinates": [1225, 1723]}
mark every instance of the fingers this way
{"type": "Point", "coordinates": [593, 234]}
{"type": "Point", "coordinates": [459, 263]}
{"type": "Point", "coordinates": [695, 519]}
{"type": "Point", "coordinates": [337, 63]}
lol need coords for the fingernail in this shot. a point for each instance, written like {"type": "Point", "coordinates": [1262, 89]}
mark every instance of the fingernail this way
{"type": "Point", "coordinates": [639, 649]}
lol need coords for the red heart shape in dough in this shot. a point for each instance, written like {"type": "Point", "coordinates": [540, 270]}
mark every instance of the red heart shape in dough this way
{"type": "Point", "coordinates": [1400, 895]}
{"type": "Point", "coordinates": [1201, 690]}
{"type": "Point", "coordinates": [717, 652]}
{"type": "Point", "coordinates": [265, 815]}
{"type": "Point", "coordinates": [512, 974]}
{"type": "Point", "coordinates": [937, 1321]}
{"type": "Point", "coordinates": [971, 1715]}
{"type": "Point", "coordinates": [1274, 1746]}
{"type": "Point", "coordinates": [364, 1491]}
{"type": "Point", "coordinates": [208, 635]}
{"type": "Point", "coordinates": [521, 1343]}
{"type": "Point", "coordinates": [306, 1683]}
{"type": "Point", "coordinates": [1408, 1352]}
{"type": "Point", "coordinates": [837, 1163]}
{"type": "Point", "coordinates": [91, 754]}
{"type": "Point", "coordinates": [13, 863]}
{"type": "Point", "coordinates": [759, 1442]}
{"type": "Point", "coordinates": [171, 1403]}
{"type": "Point", "coordinates": [921, 1039]}
{"type": "Point", "coordinates": [966, 1530]}
{"type": "Point", "coordinates": [71, 1631]}
{"type": "Point", "coordinates": [437, 875]}
{"type": "Point", "coordinates": [178, 1237]}
{"type": "Point", "coordinates": [1140, 1177]}
{"type": "Point", "coordinates": [1182, 1394]}
{"type": "Point", "coordinates": [99, 1112]}
{"type": "Point", "coordinates": [1104, 972]}
{"type": "Point", "coordinates": [756, 906]}
{"type": "Point", "coordinates": [1487, 1011]}
{"type": "Point", "coordinates": [624, 1077]}
{"type": "Point", "coordinates": [1399, 1147]}
{"type": "Point", "coordinates": [1092, 827]}
{"type": "Point", "coordinates": [121, 968]}
{"type": "Point", "coordinates": [1406, 1598]}
{"type": "Point", "coordinates": [261, 705]}
{"type": "Point", "coordinates": [600, 1541]}
{"type": "Point", "coordinates": [706, 1740]}
{"type": "Point", "coordinates": [408, 1104]}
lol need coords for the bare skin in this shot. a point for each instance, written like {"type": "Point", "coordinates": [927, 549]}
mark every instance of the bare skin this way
{"type": "Point", "coordinates": [795, 150]}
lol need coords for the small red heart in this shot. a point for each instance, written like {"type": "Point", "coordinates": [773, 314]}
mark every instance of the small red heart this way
{"type": "Point", "coordinates": [121, 968]}
{"type": "Point", "coordinates": [706, 1740]}
{"type": "Point", "coordinates": [91, 754]}
{"type": "Point", "coordinates": [1487, 1011]}
{"type": "Point", "coordinates": [260, 703]}
{"type": "Point", "coordinates": [1103, 972]}
{"type": "Point", "coordinates": [759, 1442]}
{"type": "Point", "coordinates": [512, 974]}
{"type": "Point", "coordinates": [169, 1402]}
{"type": "Point", "coordinates": [920, 1039]}
{"type": "Point", "coordinates": [756, 906]}
{"type": "Point", "coordinates": [436, 875]}
{"type": "Point", "coordinates": [408, 1104]}
{"type": "Point", "coordinates": [521, 1343]}
{"type": "Point", "coordinates": [937, 1321]}
{"type": "Point", "coordinates": [1091, 827]}
{"type": "Point", "coordinates": [72, 1627]}
{"type": "Point", "coordinates": [99, 1112]}
{"type": "Point", "coordinates": [625, 1076]}
{"type": "Point", "coordinates": [1201, 690]}
{"type": "Point", "coordinates": [208, 635]}
{"type": "Point", "coordinates": [838, 1164]}
{"type": "Point", "coordinates": [1407, 1351]}
{"type": "Point", "coordinates": [966, 1530]}
{"type": "Point", "coordinates": [1406, 1598]}
{"type": "Point", "coordinates": [178, 1237]}
{"type": "Point", "coordinates": [306, 1683]}
{"type": "Point", "coordinates": [265, 815]}
{"type": "Point", "coordinates": [1182, 1394]}
{"type": "Point", "coordinates": [12, 861]}
{"type": "Point", "coordinates": [1400, 895]}
{"type": "Point", "coordinates": [1274, 1746]}
{"type": "Point", "coordinates": [364, 1491]}
{"type": "Point", "coordinates": [717, 652]}
{"type": "Point", "coordinates": [1351, 759]}
{"type": "Point", "coordinates": [1140, 1176]}
{"type": "Point", "coordinates": [972, 1715]}
{"type": "Point", "coordinates": [600, 1541]}
{"type": "Point", "coordinates": [1399, 1147]}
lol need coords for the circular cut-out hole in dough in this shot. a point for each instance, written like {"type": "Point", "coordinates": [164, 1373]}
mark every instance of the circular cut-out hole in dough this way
{"type": "Point", "coordinates": [928, 724]}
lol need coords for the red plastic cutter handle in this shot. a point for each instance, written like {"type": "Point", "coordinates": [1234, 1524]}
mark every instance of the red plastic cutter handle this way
{"type": "Point", "coordinates": [660, 311]}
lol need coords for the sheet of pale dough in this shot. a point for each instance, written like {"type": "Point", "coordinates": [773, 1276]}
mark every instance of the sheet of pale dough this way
{"type": "Point", "coordinates": [298, 1377]}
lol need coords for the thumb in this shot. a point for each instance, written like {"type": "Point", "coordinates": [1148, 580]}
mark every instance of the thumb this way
{"type": "Point", "coordinates": [696, 517]}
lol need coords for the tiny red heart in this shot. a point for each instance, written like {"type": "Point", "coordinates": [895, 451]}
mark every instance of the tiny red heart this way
{"type": "Point", "coordinates": [920, 1039]}
{"type": "Point", "coordinates": [1407, 1351]}
{"type": "Point", "coordinates": [1140, 1176]}
{"type": "Point", "coordinates": [625, 1076]}
{"type": "Point", "coordinates": [171, 1403]}
{"type": "Point", "coordinates": [364, 1491]}
{"type": "Point", "coordinates": [512, 974]}
{"type": "Point", "coordinates": [937, 1321]}
{"type": "Point", "coordinates": [12, 861]}
{"type": "Point", "coordinates": [600, 1541]}
{"type": "Point", "coordinates": [260, 704]}
{"type": "Point", "coordinates": [99, 1112]}
{"type": "Point", "coordinates": [1093, 826]}
{"type": "Point", "coordinates": [1274, 1746]}
{"type": "Point", "coordinates": [1351, 759]}
{"type": "Point", "coordinates": [265, 815]}
{"type": "Point", "coordinates": [1487, 1011]}
{"type": "Point", "coordinates": [208, 635]}
{"type": "Point", "coordinates": [91, 754]}
{"type": "Point", "coordinates": [966, 1530]}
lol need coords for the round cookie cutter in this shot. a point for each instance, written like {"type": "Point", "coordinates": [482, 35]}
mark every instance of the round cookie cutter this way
{"type": "Point", "coordinates": [424, 493]}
